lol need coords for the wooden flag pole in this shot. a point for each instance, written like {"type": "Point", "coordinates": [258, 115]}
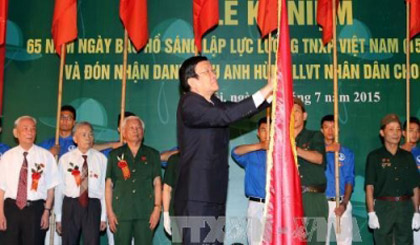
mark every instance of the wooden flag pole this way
{"type": "Point", "coordinates": [196, 49]}
{"type": "Point", "coordinates": [124, 83]}
{"type": "Point", "coordinates": [57, 125]}
{"type": "Point", "coordinates": [268, 77]}
{"type": "Point", "coordinates": [407, 79]}
{"type": "Point", "coordinates": [269, 56]}
{"type": "Point", "coordinates": [60, 92]}
{"type": "Point", "coordinates": [336, 135]}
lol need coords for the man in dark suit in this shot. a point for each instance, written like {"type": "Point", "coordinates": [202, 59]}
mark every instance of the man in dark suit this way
{"type": "Point", "coordinates": [203, 139]}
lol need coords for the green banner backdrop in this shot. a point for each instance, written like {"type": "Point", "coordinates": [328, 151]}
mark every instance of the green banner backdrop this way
{"type": "Point", "coordinates": [371, 74]}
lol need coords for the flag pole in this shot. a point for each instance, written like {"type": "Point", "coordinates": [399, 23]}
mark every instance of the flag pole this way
{"type": "Point", "coordinates": [407, 61]}
{"type": "Point", "coordinates": [269, 161]}
{"type": "Point", "coordinates": [336, 135]}
{"type": "Point", "coordinates": [124, 83]}
{"type": "Point", "coordinates": [268, 77]}
{"type": "Point", "coordinates": [57, 125]}
{"type": "Point", "coordinates": [60, 92]}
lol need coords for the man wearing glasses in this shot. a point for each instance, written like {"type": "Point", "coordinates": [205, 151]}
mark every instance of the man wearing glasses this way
{"type": "Point", "coordinates": [67, 122]}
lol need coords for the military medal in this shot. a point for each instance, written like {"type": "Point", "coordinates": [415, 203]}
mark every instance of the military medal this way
{"type": "Point", "coordinates": [144, 159]}
{"type": "Point", "coordinates": [93, 175]}
{"type": "Point", "coordinates": [36, 175]}
{"type": "Point", "coordinates": [386, 162]}
{"type": "Point", "coordinates": [122, 164]}
{"type": "Point", "coordinates": [75, 172]}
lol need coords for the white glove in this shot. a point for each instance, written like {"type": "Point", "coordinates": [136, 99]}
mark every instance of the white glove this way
{"type": "Point", "coordinates": [373, 220]}
{"type": "Point", "coordinates": [415, 225]}
{"type": "Point", "coordinates": [167, 222]}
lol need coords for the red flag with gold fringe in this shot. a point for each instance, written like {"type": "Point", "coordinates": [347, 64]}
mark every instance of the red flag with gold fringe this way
{"type": "Point", "coordinates": [284, 208]}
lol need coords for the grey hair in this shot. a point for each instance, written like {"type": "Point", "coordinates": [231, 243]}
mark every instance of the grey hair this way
{"type": "Point", "coordinates": [81, 124]}
{"type": "Point", "coordinates": [17, 121]}
{"type": "Point", "coordinates": [131, 118]}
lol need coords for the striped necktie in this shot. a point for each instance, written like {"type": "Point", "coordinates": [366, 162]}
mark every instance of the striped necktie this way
{"type": "Point", "coordinates": [22, 192]}
{"type": "Point", "coordinates": [83, 198]}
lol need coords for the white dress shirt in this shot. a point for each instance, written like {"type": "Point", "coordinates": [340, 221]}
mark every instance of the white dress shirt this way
{"type": "Point", "coordinates": [11, 163]}
{"type": "Point", "coordinates": [258, 99]}
{"type": "Point", "coordinates": [96, 178]}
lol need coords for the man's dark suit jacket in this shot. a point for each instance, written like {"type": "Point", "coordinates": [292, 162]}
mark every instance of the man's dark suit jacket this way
{"type": "Point", "coordinates": [203, 140]}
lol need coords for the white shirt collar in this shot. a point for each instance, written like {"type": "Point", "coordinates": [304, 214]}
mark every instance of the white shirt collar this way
{"type": "Point", "coordinates": [81, 154]}
{"type": "Point", "coordinates": [21, 150]}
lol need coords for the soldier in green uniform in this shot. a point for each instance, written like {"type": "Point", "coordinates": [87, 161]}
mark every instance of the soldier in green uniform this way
{"type": "Point", "coordinates": [310, 149]}
{"type": "Point", "coordinates": [392, 182]}
{"type": "Point", "coordinates": [169, 182]}
{"type": "Point", "coordinates": [133, 187]}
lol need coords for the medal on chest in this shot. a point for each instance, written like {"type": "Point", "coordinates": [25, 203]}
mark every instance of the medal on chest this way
{"type": "Point", "coordinates": [144, 159]}
{"type": "Point", "coordinates": [305, 146]}
{"type": "Point", "coordinates": [386, 162]}
{"type": "Point", "coordinates": [123, 165]}
{"type": "Point", "coordinates": [36, 175]}
{"type": "Point", "coordinates": [74, 170]}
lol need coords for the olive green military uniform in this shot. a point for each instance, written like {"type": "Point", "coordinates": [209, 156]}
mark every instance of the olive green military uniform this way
{"type": "Point", "coordinates": [170, 178]}
{"type": "Point", "coordinates": [133, 199]}
{"type": "Point", "coordinates": [392, 176]}
{"type": "Point", "coordinates": [315, 205]}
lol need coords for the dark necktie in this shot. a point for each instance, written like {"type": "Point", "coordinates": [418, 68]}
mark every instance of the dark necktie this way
{"type": "Point", "coordinates": [22, 192]}
{"type": "Point", "coordinates": [84, 197]}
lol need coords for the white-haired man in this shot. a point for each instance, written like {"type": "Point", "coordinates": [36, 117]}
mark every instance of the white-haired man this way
{"type": "Point", "coordinates": [28, 175]}
{"type": "Point", "coordinates": [80, 197]}
{"type": "Point", "coordinates": [133, 187]}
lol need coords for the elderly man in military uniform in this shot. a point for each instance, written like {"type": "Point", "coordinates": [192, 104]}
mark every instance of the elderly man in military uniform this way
{"type": "Point", "coordinates": [133, 187]}
{"type": "Point", "coordinates": [392, 182]}
{"type": "Point", "coordinates": [310, 149]}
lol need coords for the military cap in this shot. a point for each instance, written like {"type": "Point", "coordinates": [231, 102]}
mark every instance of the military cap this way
{"type": "Point", "coordinates": [389, 118]}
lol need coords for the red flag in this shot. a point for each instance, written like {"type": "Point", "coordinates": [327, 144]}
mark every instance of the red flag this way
{"type": "Point", "coordinates": [64, 25]}
{"type": "Point", "coordinates": [414, 17]}
{"type": "Point", "coordinates": [324, 18]}
{"type": "Point", "coordinates": [3, 25]}
{"type": "Point", "coordinates": [284, 219]}
{"type": "Point", "coordinates": [3, 20]}
{"type": "Point", "coordinates": [133, 14]}
{"type": "Point", "coordinates": [205, 17]}
{"type": "Point", "coordinates": [267, 16]}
